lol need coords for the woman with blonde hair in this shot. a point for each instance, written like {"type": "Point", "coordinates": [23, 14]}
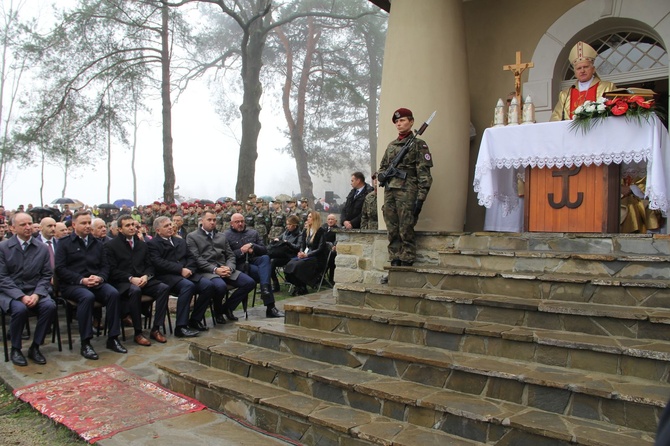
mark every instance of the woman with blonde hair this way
{"type": "Point", "coordinates": [311, 260]}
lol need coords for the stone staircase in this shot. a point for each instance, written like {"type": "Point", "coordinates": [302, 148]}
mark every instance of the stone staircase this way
{"type": "Point", "coordinates": [526, 339]}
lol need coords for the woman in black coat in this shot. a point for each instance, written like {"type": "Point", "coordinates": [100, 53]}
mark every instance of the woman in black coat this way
{"type": "Point", "coordinates": [312, 257]}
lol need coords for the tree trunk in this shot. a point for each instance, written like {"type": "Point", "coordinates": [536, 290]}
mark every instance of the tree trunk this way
{"type": "Point", "coordinates": [109, 156]}
{"type": "Point", "coordinates": [252, 51]}
{"type": "Point", "coordinates": [168, 162]}
{"type": "Point", "coordinates": [134, 148]}
{"type": "Point", "coordinates": [66, 168]}
{"type": "Point", "coordinates": [42, 178]}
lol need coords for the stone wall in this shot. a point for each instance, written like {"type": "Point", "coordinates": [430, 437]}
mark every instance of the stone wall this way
{"type": "Point", "coordinates": [362, 255]}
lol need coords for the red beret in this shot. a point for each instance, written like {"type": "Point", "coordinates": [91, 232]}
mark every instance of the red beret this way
{"type": "Point", "coordinates": [173, 205]}
{"type": "Point", "coordinates": [157, 202]}
{"type": "Point", "coordinates": [402, 113]}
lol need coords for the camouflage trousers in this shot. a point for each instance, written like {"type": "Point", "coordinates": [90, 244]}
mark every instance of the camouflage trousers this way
{"type": "Point", "coordinates": [399, 217]}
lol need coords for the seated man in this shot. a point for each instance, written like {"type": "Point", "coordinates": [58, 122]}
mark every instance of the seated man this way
{"type": "Point", "coordinates": [99, 230]}
{"type": "Point", "coordinates": [176, 267]}
{"type": "Point", "coordinates": [249, 249]}
{"type": "Point", "coordinates": [216, 262]}
{"type": "Point", "coordinates": [132, 274]}
{"type": "Point", "coordinates": [25, 284]}
{"type": "Point", "coordinates": [83, 270]}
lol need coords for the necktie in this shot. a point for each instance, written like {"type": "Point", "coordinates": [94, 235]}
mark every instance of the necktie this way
{"type": "Point", "coordinates": [51, 252]}
{"type": "Point", "coordinates": [24, 245]}
{"type": "Point", "coordinates": [131, 242]}
{"type": "Point", "coordinates": [85, 241]}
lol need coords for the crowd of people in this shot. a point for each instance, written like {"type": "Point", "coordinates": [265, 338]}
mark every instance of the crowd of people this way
{"type": "Point", "coordinates": [130, 260]}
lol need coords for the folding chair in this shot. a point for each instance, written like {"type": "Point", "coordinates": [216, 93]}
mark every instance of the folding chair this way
{"type": "Point", "coordinates": [324, 273]}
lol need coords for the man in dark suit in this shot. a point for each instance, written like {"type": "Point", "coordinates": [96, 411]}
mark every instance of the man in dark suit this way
{"type": "Point", "coordinates": [47, 236]}
{"type": "Point", "coordinates": [25, 277]}
{"type": "Point", "coordinates": [132, 274]}
{"type": "Point", "coordinates": [99, 230]}
{"type": "Point", "coordinates": [175, 267]}
{"type": "Point", "coordinates": [249, 248]}
{"type": "Point", "coordinates": [82, 270]}
{"type": "Point", "coordinates": [216, 262]}
{"type": "Point", "coordinates": [353, 206]}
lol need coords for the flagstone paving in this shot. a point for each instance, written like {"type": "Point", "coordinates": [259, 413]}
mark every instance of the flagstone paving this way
{"type": "Point", "coordinates": [204, 427]}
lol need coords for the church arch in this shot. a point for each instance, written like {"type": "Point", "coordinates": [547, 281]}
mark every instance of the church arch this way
{"type": "Point", "coordinates": [587, 21]}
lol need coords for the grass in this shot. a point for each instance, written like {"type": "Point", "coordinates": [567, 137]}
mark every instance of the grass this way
{"type": "Point", "coordinates": [20, 424]}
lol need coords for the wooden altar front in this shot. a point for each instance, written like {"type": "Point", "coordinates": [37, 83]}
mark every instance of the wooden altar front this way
{"type": "Point", "coordinates": [572, 199]}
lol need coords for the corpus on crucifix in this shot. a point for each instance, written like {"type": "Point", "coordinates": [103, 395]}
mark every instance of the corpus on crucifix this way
{"type": "Point", "coordinates": [517, 69]}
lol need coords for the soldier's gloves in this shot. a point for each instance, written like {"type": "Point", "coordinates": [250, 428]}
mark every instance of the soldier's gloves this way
{"type": "Point", "coordinates": [381, 179]}
{"type": "Point", "coordinates": [418, 204]}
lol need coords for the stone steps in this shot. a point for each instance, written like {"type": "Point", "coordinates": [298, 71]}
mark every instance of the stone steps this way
{"type": "Point", "coordinates": [479, 419]}
{"type": "Point", "coordinates": [295, 415]}
{"type": "Point", "coordinates": [625, 401]}
{"type": "Point", "coordinates": [647, 359]}
{"type": "Point", "coordinates": [648, 323]}
{"type": "Point", "coordinates": [537, 285]}
{"type": "Point", "coordinates": [613, 265]}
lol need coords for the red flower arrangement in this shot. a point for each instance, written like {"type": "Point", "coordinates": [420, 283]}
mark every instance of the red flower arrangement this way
{"type": "Point", "coordinates": [593, 112]}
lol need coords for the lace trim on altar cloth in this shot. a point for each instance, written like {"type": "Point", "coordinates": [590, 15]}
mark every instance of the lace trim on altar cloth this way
{"type": "Point", "coordinates": [575, 160]}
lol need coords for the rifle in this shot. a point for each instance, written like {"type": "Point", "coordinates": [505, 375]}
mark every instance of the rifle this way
{"type": "Point", "coordinates": [392, 170]}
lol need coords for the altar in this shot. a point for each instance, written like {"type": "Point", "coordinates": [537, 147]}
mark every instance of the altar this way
{"type": "Point", "coordinates": [505, 152]}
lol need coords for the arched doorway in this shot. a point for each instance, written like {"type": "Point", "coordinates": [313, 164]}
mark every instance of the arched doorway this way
{"type": "Point", "coordinates": [616, 27]}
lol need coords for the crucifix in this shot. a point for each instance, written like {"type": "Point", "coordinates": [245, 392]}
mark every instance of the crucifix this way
{"type": "Point", "coordinates": [517, 69]}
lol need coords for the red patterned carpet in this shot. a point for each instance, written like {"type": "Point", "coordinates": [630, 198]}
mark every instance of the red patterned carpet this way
{"type": "Point", "coordinates": [102, 402]}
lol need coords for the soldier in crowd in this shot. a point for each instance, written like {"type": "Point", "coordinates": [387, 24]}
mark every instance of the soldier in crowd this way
{"type": "Point", "coordinates": [403, 198]}
{"type": "Point", "coordinates": [291, 209]}
{"type": "Point", "coordinates": [303, 209]}
{"type": "Point", "coordinates": [228, 211]}
{"type": "Point", "coordinates": [277, 219]}
{"type": "Point", "coordinates": [369, 211]}
{"type": "Point", "coordinates": [261, 220]}
{"type": "Point", "coordinates": [191, 219]}
{"type": "Point", "coordinates": [250, 214]}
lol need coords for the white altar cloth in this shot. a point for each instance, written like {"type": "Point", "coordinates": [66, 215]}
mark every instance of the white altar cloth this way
{"type": "Point", "coordinates": [504, 150]}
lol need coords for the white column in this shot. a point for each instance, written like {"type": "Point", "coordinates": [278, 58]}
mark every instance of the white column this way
{"type": "Point", "coordinates": [425, 69]}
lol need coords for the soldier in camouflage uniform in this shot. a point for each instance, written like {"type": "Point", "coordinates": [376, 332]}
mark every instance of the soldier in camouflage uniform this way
{"type": "Point", "coordinates": [278, 219]}
{"type": "Point", "coordinates": [261, 220]}
{"type": "Point", "coordinates": [403, 199]}
{"type": "Point", "coordinates": [228, 211]}
{"type": "Point", "coordinates": [369, 212]}
{"type": "Point", "coordinates": [250, 214]}
{"type": "Point", "coordinates": [303, 211]}
{"type": "Point", "coordinates": [218, 209]}
{"type": "Point", "coordinates": [191, 221]}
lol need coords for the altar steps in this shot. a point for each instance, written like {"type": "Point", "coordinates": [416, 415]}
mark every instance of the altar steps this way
{"type": "Point", "coordinates": [523, 339]}
{"type": "Point", "coordinates": [616, 355]}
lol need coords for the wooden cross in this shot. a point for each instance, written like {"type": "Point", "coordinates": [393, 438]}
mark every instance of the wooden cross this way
{"type": "Point", "coordinates": [517, 69]}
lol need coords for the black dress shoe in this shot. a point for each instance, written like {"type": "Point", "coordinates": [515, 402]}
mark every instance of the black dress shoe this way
{"type": "Point", "coordinates": [273, 312]}
{"type": "Point", "coordinates": [114, 345]}
{"type": "Point", "coordinates": [18, 358]}
{"type": "Point", "coordinates": [275, 287]}
{"type": "Point", "coordinates": [231, 316]}
{"type": "Point", "coordinates": [406, 263]}
{"type": "Point", "coordinates": [185, 332]}
{"type": "Point", "coordinates": [88, 352]}
{"type": "Point", "coordinates": [199, 326]}
{"type": "Point", "coordinates": [36, 355]}
{"type": "Point", "coordinates": [396, 262]}
{"type": "Point", "coordinates": [302, 291]}
{"type": "Point", "coordinates": [220, 319]}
